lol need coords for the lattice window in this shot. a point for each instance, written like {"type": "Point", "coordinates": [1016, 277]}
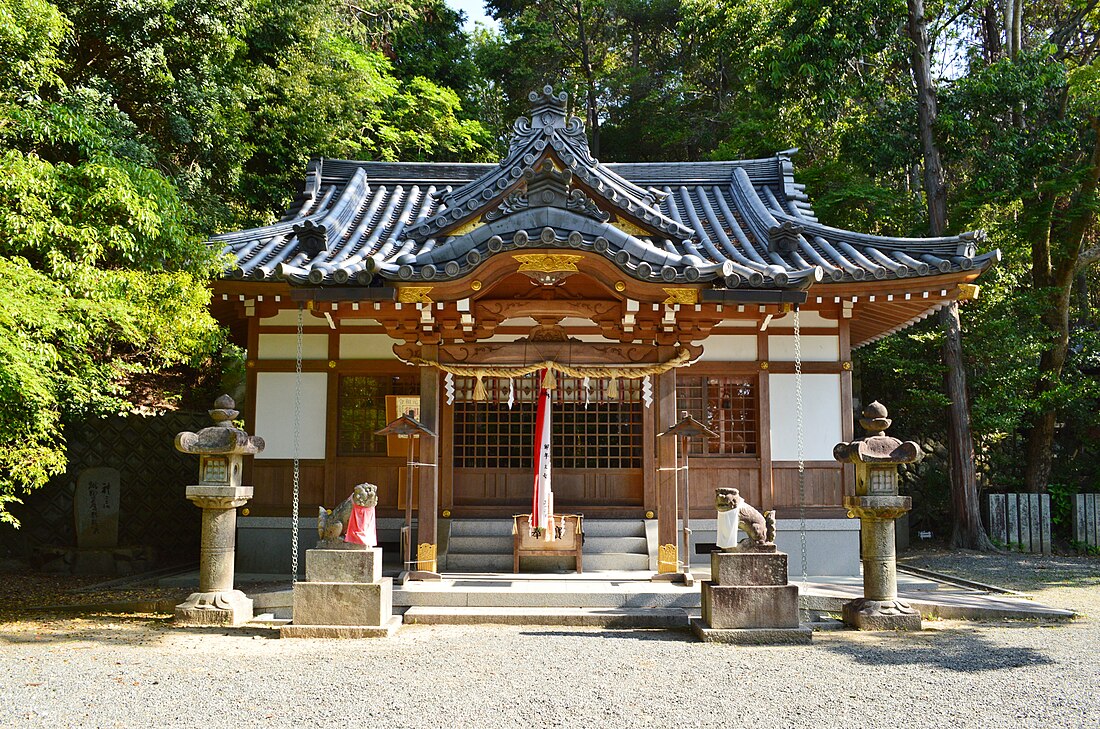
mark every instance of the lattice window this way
{"type": "Point", "coordinates": [606, 434]}
{"type": "Point", "coordinates": [727, 405]}
{"type": "Point", "coordinates": [361, 410]}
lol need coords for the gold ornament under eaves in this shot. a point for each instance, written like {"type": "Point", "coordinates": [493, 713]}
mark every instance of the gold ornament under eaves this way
{"type": "Point", "coordinates": [547, 262]}
{"type": "Point", "coordinates": [682, 296]}
{"type": "Point", "coordinates": [414, 295]}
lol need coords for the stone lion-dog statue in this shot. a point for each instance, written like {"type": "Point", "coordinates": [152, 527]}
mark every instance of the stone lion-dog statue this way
{"type": "Point", "coordinates": [332, 524]}
{"type": "Point", "coordinates": [734, 514]}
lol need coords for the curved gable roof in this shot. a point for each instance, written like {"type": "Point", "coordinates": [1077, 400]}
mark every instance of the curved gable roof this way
{"type": "Point", "coordinates": [733, 224]}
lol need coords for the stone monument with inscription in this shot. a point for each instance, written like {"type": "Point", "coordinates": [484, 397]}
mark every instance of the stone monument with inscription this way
{"type": "Point", "coordinates": [221, 450]}
{"type": "Point", "coordinates": [877, 504]}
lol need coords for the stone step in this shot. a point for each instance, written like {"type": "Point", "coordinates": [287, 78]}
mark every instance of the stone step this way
{"type": "Point", "coordinates": [615, 561]}
{"type": "Point", "coordinates": [614, 528]}
{"type": "Point", "coordinates": [593, 617]}
{"type": "Point", "coordinates": [503, 545]}
{"type": "Point", "coordinates": [592, 527]}
{"type": "Point", "coordinates": [473, 593]}
{"type": "Point", "coordinates": [603, 545]}
{"type": "Point", "coordinates": [458, 562]}
{"type": "Point", "coordinates": [480, 545]}
{"type": "Point", "coordinates": [481, 528]}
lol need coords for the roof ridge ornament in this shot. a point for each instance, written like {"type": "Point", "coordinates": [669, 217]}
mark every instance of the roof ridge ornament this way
{"type": "Point", "coordinates": [547, 109]}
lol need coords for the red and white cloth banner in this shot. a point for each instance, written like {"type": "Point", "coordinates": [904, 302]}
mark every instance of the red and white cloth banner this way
{"type": "Point", "coordinates": [542, 503]}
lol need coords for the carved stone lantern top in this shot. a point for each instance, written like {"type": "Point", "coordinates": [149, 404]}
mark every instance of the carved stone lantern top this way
{"type": "Point", "coordinates": [877, 447]}
{"type": "Point", "coordinates": [222, 438]}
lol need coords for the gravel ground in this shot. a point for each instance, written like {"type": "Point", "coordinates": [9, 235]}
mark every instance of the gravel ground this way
{"type": "Point", "coordinates": [139, 671]}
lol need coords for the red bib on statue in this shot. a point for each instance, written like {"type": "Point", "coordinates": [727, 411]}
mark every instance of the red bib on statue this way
{"type": "Point", "coordinates": [361, 526]}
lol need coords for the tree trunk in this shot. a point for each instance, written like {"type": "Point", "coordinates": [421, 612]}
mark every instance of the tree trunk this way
{"type": "Point", "coordinates": [592, 116]}
{"type": "Point", "coordinates": [1040, 438]}
{"type": "Point", "coordinates": [991, 32]}
{"type": "Point", "coordinates": [967, 530]}
{"type": "Point", "coordinates": [1055, 261]}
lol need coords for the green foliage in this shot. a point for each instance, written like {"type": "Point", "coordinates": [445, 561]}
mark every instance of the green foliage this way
{"type": "Point", "coordinates": [131, 131]}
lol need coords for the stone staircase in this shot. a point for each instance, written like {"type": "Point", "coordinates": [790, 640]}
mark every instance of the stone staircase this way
{"type": "Point", "coordinates": [485, 545]}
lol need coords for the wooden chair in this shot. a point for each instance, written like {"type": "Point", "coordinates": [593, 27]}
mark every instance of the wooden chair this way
{"type": "Point", "coordinates": [568, 542]}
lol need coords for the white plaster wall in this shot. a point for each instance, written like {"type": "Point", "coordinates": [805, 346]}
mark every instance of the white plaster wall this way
{"type": "Point", "coordinates": [275, 414]}
{"type": "Point", "coordinates": [354, 321]}
{"type": "Point", "coordinates": [366, 346]}
{"type": "Point", "coordinates": [284, 346]}
{"type": "Point", "coordinates": [815, 348]}
{"type": "Point", "coordinates": [729, 348]}
{"type": "Point", "coordinates": [805, 319]}
{"type": "Point", "coordinates": [821, 416]}
{"type": "Point", "coordinates": [289, 318]}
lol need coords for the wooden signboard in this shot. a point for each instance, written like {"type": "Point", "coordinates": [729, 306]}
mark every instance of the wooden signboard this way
{"type": "Point", "coordinates": [396, 406]}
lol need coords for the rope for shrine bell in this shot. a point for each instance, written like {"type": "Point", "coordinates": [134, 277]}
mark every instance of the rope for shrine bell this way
{"type": "Point", "coordinates": [297, 426]}
{"type": "Point", "coordinates": [800, 427]}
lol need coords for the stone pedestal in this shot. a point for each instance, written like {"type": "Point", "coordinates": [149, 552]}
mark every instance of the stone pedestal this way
{"type": "Point", "coordinates": [216, 602]}
{"type": "Point", "coordinates": [344, 596]}
{"type": "Point", "coordinates": [748, 601]}
{"type": "Point", "coordinates": [879, 608]}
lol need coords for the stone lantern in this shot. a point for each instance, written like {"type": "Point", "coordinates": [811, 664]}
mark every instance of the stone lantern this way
{"type": "Point", "coordinates": [877, 504]}
{"type": "Point", "coordinates": [218, 493]}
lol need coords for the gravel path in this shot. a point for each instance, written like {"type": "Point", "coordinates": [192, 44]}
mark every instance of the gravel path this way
{"type": "Point", "coordinates": [140, 671]}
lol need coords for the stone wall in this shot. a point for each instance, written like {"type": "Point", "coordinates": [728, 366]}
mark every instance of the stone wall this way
{"type": "Point", "coordinates": [154, 516]}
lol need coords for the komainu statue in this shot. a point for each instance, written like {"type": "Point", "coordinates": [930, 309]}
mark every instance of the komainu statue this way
{"type": "Point", "coordinates": [332, 524]}
{"type": "Point", "coordinates": [735, 513]}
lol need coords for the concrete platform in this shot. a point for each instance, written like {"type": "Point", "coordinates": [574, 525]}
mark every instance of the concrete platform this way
{"type": "Point", "coordinates": [633, 590]}
{"type": "Point", "coordinates": [667, 618]}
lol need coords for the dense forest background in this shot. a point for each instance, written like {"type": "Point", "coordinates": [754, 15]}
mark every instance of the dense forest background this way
{"type": "Point", "coordinates": [131, 131]}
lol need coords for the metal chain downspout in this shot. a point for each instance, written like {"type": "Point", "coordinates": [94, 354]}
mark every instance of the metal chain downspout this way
{"type": "Point", "coordinates": [297, 426]}
{"type": "Point", "coordinates": [800, 426]}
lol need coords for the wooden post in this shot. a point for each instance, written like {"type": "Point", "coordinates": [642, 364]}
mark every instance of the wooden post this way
{"type": "Point", "coordinates": [847, 410]}
{"type": "Point", "coordinates": [667, 553]}
{"type": "Point", "coordinates": [428, 508]}
{"type": "Point", "coordinates": [768, 497]}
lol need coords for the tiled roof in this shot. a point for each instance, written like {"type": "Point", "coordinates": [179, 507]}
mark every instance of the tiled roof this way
{"type": "Point", "coordinates": [743, 223]}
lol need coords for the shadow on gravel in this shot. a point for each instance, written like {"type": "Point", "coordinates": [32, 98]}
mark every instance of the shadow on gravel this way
{"type": "Point", "coordinates": [114, 629]}
{"type": "Point", "coordinates": [643, 634]}
{"type": "Point", "coordinates": [956, 651]}
{"type": "Point", "coordinates": [1027, 572]}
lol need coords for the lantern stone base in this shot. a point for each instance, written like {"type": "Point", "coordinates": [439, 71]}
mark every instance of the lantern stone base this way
{"type": "Point", "coordinates": [865, 614]}
{"type": "Point", "coordinates": [226, 607]}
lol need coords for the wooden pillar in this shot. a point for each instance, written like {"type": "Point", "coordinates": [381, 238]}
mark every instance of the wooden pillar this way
{"type": "Point", "coordinates": [332, 441]}
{"type": "Point", "coordinates": [667, 538]}
{"type": "Point", "coordinates": [251, 358]}
{"type": "Point", "coordinates": [847, 416]}
{"type": "Point", "coordinates": [768, 497]}
{"type": "Point", "coordinates": [428, 499]}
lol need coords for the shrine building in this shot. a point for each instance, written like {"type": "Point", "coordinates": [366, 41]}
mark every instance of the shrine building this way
{"type": "Point", "coordinates": [655, 288]}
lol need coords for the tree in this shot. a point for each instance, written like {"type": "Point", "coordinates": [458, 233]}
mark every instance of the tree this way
{"type": "Point", "coordinates": [967, 530]}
